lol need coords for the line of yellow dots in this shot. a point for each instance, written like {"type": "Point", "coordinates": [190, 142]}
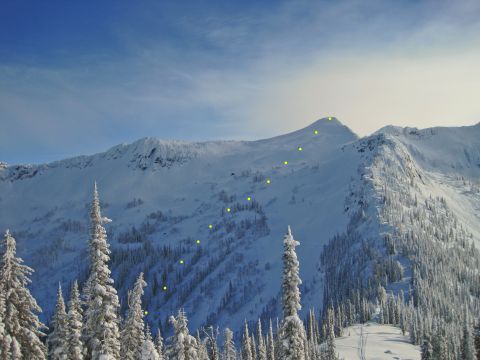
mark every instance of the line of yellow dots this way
{"type": "Point", "coordinates": [267, 181]}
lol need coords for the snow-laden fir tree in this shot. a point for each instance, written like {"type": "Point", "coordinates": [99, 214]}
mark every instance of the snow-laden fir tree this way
{"type": "Point", "coordinates": [159, 344]}
{"type": "Point", "coordinates": [306, 347]}
{"type": "Point", "coordinates": [313, 351]}
{"type": "Point", "coordinates": [148, 350]}
{"type": "Point", "coordinates": [202, 352]}
{"type": "Point", "coordinates": [262, 348]}
{"type": "Point", "coordinates": [278, 340]}
{"type": "Point", "coordinates": [330, 351]}
{"type": "Point", "coordinates": [253, 344]}
{"type": "Point", "coordinates": [4, 340]}
{"type": "Point", "coordinates": [58, 339]}
{"type": "Point", "coordinates": [229, 351]}
{"type": "Point", "coordinates": [270, 343]}
{"type": "Point", "coordinates": [477, 340]}
{"type": "Point", "coordinates": [467, 348]}
{"type": "Point", "coordinates": [246, 344]}
{"type": "Point", "coordinates": [293, 332]}
{"type": "Point", "coordinates": [211, 342]}
{"type": "Point", "coordinates": [101, 323]}
{"type": "Point", "coordinates": [75, 323]}
{"type": "Point", "coordinates": [132, 334]}
{"type": "Point", "coordinates": [439, 345]}
{"type": "Point", "coordinates": [427, 350]}
{"type": "Point", "coordinates": [23, 329]}
{"type": "Point", "coordinates": [183, 345]}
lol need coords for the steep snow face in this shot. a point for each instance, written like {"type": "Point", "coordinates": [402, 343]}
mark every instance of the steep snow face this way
{"type": "Point", "coordinates": [449, 150]}
{"type": "Point", "coordinates": [445, 163]}
{"type": "Point", "coordinates": [428, 220]}
{"type": "Point", "coordinates": [161, 193]}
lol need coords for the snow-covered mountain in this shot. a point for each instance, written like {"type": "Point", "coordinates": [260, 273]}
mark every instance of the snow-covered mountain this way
{"type": "Point", "coordinates": [206, 220]}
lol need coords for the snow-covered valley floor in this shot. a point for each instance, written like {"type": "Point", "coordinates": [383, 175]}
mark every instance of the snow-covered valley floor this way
{"type": "Point", "coordinates": [375, 342]}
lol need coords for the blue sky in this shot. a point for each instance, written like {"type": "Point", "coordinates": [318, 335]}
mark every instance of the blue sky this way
{"type": "Point", "coordinates": [77, 77]}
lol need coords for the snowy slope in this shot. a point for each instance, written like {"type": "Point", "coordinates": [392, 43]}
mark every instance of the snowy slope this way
{"type": "Point", "coordinates": [448, 161]}
{"type": "Point", "coordinates": [192, 185]}
{"type": "Point", "coordinates": [375, 342]}
{"type": "Point", "coordinates": [442, 149]}
{"type": "Point", "coordinates": [172, 191]}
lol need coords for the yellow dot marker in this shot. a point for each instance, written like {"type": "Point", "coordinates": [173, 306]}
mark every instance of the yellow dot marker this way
{"type": "Point", "coordinates": [210, 226]}
{"type": "Point", "coordinates": [146, 312]}
{"type": "Point", "coordinates": [330, 118]}
{"type": "Point", "coordinates": [182, 262]}
{"type": "Point", "coordinates": [198, 242]}
{"type": "Point", "coordinates": [249, 198]}
{"type": "Point", "coordinates": [300, 148]}
{"type": "Point", "coordinates": [315, 132]}
{"type": "Point", "coordinates": [268, 181]}
{"type": "Point", "coordinates": [285, 162]}
{"type": "Point", "coordinates": [164, 288]}
{"type": "Point", "coordinates": [228, 209]}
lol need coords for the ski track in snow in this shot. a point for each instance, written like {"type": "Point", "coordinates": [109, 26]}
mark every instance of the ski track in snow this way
{"type": "Point", "coordinates": [373, 341]}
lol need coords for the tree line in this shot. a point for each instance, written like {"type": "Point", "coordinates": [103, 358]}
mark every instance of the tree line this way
{"type": "Point", "coordinates": [90, 325]}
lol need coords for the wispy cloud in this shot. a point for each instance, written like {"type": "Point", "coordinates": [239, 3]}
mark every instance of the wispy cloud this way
{"type": "Point", "coordinates": [251, 72]}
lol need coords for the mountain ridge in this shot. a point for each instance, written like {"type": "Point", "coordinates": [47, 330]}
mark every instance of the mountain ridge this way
{"type": "Point", "coordinates": [149, 141]}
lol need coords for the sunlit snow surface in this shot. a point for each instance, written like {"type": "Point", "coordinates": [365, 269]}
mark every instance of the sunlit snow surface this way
{"type": "Point", "coordinates": [375, 342]}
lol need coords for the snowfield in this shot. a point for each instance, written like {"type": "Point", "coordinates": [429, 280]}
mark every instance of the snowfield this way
{"type": "Point", "coordinates": [375, 342]}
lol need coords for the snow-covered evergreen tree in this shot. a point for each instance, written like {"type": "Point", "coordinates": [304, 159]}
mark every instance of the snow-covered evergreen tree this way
{"type": "Point", "coordinates": [212, 347]}
{"type": "Point", "coordinates": [101, 323]}
{"type": "Point", "coordinates": [75, 323]}
{"type": "Point", "coordinates": [246, 344]}
{"type": "Point", "coordinates": [148, 350]}
{"type": "Point", "coordinates": [23, 329]}
{"type": "Point", "coordinates": [183, 346]}
{"type": "Point", "coordinates": [439, 347]}
{"type": "Point", "coordinates": [4, 339]}
{"type": "Point", "coordinates": [427, 350]}
{"type": "Point", "coordinates": [58, 338]}
{"type": "Point", "coordinates": [202, 352]}
{"type": "Point", "coordinates": [262, 349]}
{"type": "Point", "coordinates": [229, 351]}
{"type": "Point", "coordinates": [132, 334]}
{"type": "Point", "coordinates": [330, 353]}
{"type": "Point", "coordinates": [159, 344]}
{"type": "Point", "coordinates": [253, 344]}
{"type": "Point", "coordinates": [293, 332]}
{"type": "Point", "coordinates": [278, 340]}
{"type": "Point", "coordinates": [270, 343]}
{"type": "Point", "coordinates": [477, 340]}
{"type": "Point", "coordinates": [313, 350]}
{"type": "Point", "coordinates": [467, 348]}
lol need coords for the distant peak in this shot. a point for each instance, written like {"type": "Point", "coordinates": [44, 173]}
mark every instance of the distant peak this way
{"type": "Point", "coordinates": [322, 127]}
{"type": "Point", "coordinates": [328, 120]}
{"type": "Point", "coordinates": [329, 124]}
